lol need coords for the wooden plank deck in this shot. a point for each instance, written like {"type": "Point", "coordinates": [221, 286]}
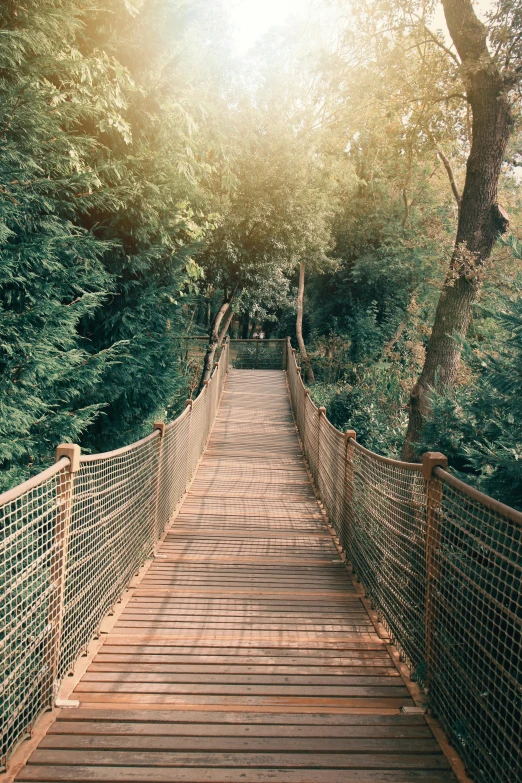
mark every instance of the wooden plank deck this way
{"type": "Point", "coordinates": [245, 654]}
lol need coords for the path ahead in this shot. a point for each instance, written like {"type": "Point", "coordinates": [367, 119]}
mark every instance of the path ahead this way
{"type": "Point", "coordinates": [244, 655]}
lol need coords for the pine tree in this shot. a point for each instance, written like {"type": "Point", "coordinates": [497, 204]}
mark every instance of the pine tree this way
{"type": "Point", "coordinates": [50, 271]}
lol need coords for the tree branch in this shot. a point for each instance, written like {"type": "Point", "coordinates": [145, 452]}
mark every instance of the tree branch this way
{"type": "Point", "coordinates": [449, 170]}
{"type": "Point", "coordinates": [442, 46]}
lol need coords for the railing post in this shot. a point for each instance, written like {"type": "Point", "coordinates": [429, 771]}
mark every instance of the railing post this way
{"type": "Point", "coordinates": [158, 425]}
{"type": "Point", "coordinates": [431, 460]}
{"type": "Point", "coordinates": [285, 355]}
{"type": "Point", "coordinates": [303, 424]}
{"type": "Point", "coordinates": [348, 493]}
{"type": "Point", "coordinates": [187, 464]}
{"type": "Point", "coordinates": [320, 413]}
{"type": "Point", "coordinates": [59, 561]}
{"type": "Point", "coordinates": [257, 356]}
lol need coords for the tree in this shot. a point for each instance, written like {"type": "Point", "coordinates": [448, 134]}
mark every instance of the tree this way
{"type": "Point", "coordinates": [273, 215]}
{"type": "Point", "coordinates": [104, 143]}
{"type": "Point", "coordinates": [489, 80]}
{"type": "Point", "coordinates": [299, 324]}
{"type": "Point", "coordinates": [479, 425]}
{"type": "Point", "coordinates": [51, 271]}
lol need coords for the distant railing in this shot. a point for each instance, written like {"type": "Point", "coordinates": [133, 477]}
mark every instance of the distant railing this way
{"type": "Point", "coordinates": [442, 566]}
{"type": "Point", "coordinates": [255, 354]}
{"type": "Point", "coordinates": [258, 354]}
{"type": "Point", "coordinates": [72, 538]}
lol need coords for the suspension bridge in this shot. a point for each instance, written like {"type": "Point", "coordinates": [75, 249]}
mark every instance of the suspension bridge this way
{"type": "Point", "coordinates": [250, 595]}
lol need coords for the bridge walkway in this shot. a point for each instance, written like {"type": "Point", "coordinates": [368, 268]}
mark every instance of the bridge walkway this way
{"type": "Point", "coordinates": [244, 655]}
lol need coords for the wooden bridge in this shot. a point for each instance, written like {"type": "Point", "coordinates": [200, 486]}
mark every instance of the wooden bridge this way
{"type": "Point", "coordinates": [244, 653]}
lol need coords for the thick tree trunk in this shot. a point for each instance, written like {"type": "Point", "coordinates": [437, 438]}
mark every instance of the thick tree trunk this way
{"type": "Point", "coordinates": [299, 325]}
{"type": "Point", "coordinates": [481, 219]}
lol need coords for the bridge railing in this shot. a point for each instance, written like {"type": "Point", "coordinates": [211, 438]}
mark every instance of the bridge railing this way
{"type": "Point", "coordinates": [442, 566]}
{"type": "Point", "coordinates": [266, 354]}
{"type": "Point", "coordinates": [71, 540]}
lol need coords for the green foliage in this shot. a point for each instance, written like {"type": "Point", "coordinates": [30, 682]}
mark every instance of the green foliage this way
{"type": "Point", "coordinates": [101, 215]}
{"type": "Point", "coordinates": [479, 426]}
{"type": "Point", "coordinates": [372, 404]}
{"type": "Point", "coordinates": [51, 275]}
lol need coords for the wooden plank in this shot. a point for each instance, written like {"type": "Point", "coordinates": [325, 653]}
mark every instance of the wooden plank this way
{"type": "Point", "coordinates": [224, 743]}
{"type": "Point", "coordinates": [105, 728]}
{"type": "Point", "coordinates": [292, 718]}
{"type": "Point", "coordinates": [129, 774]}
{"type": "Point", "coordinates": [138, 758]}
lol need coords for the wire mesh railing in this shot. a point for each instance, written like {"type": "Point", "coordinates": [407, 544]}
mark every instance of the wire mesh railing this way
{"type": "Point", "coordinates": [71, 540]}
{"type": "Point", "coordinates": [258, 354]}
{"type": "Point", "coordinates": [442, 566]}
{"type": "Point", "coordinates": [245, 354]}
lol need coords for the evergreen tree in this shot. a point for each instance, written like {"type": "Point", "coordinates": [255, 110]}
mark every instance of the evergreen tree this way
{"type": "Point", "coordinates": [51, 275]}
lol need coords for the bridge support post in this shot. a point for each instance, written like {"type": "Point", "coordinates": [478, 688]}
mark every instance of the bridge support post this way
{"type": "Point", "coordinates": [320, 413]}
{"type": "Point", "coordinates": [431, 460]}
{"type": "Point", "coordinates": [189, 434]}
{"type": "Point", "coordinates": [348, 476]}
{"type": "Point", "coordinates": [304, 426]}
{"type": "Point", "coordinates": [158, 425]}
{"type": "Point", "coordinates": [59, 560]}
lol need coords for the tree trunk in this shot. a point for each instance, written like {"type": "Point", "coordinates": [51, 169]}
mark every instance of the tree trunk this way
{"type": "Point", "coordinates": [481, 219]}
{"type": "Point", "coordinates": [245, 327]}
{"type": "Point", "coordinates": [299, 325]}
{"type": "Point", "coordinates": [214, 343]}
{"type": "Point", "coordinates": [225, 326]}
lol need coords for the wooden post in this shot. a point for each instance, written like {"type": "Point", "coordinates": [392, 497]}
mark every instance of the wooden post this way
{"type": "Point", "coordinates": [285, 354]}
{"type": "Point", "coordinates": [303, 433]}
{"type": "Point", "coordinates": [430, 460]}
{"type": "Point", "coordinates": [348, 494]}
{"type": "Point", "coordinates": [187, 480]}
{"type": "Point", "coordinates": [158, 425]}
{"type": "Point", "coordinates": [320, 413]}
{"type": "Point", "coordinates": [257, 356]}
{"type": "Point", "coordinates": [59, 560]}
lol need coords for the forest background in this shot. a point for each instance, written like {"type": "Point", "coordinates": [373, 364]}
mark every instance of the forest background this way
{"type": "Point", "coordinates": [154, 187]}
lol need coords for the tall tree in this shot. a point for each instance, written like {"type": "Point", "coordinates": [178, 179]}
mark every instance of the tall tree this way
{"type": "Point", "coordinates": [299, 324]}
{"type": "Point", "coordinates": [488, 79]}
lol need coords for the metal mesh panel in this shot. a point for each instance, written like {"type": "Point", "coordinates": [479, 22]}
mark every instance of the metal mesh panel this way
{"type": "Point", "coordinates": [72, 541]}
{"type": "Point", "coordinates": [111, 535]}
{"type": "Point", "coordinates": [442, 565]}
{"type": "Point", "coordinates": [475, 658]}
{"type": "Point", "coordinates": [333, 474]}
{"type": "Point", "coordinates": [31, 551]}
{"type": "Point", "coordinates": [378, 508]}
{"type": "Point", "coordinates": [258, 354]}
{"type": "Point", "coordinates": [387, 547]}
{"type": "Point", "coordinates": [173, 468]}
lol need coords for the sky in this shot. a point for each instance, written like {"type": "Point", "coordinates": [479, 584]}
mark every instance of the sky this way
{"type": "Point", "coordinates": [253, 18]}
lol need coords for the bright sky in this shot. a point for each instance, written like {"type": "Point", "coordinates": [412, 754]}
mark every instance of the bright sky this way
{"type": "Point", "coordinates": [253, 18]}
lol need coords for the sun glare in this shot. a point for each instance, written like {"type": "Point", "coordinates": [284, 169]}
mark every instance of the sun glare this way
{"type": "Point", "coordinates": [253, 18]}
